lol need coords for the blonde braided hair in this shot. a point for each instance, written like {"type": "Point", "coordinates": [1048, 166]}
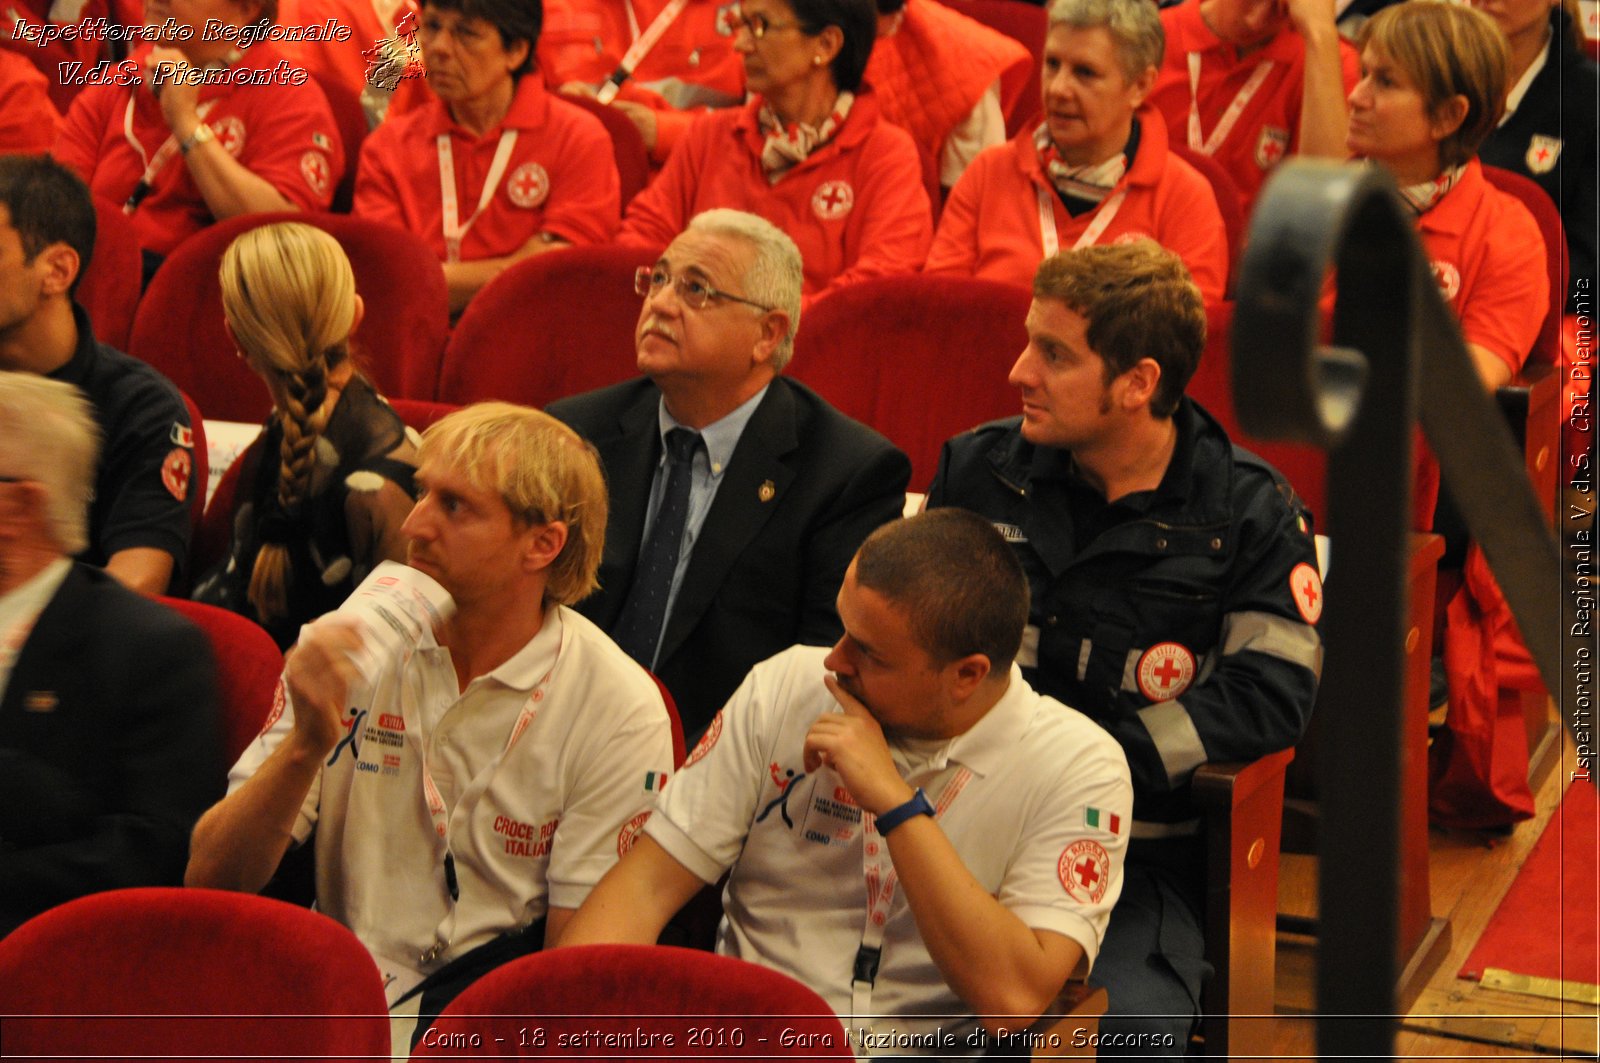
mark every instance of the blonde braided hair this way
{"type": "Point", "coordinates": [290, 299]}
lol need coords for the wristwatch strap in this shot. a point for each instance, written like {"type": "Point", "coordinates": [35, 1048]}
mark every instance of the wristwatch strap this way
{"type": "Point", "coordinates": [202, 135]}
{"type": "Point", "coordinates": [917, 806]}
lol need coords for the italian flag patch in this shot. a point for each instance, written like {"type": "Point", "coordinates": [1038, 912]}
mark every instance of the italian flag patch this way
{"type": "Point", "coordinates": [1100, 819]}
{"type": "Point", "coordinates": [654, 781]}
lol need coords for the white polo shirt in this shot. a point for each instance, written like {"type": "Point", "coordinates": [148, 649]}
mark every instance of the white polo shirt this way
{"type": "Point", "coordinates": [1035, 774]}
{"type": "Point", "coordinates": [530, 825]}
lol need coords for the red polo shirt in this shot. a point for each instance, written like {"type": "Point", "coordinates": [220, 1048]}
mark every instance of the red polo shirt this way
{"type": "Point", "coordinates": [1488, 258]}
{"type": "Point", "coordinates": [1268, 128]}
{"type": "Point", "coordinates": [991, 225]}
{"type": "Point", "coordinates": [27, 117]}
{"type": "Point", "coordinates": [693, 63]}
{"type": "Point", "coordinates": [281, 132]}
{"type": "Point", "coordinates": [561, 177]}
{"type": "Point", "coordinates": [856, 206]}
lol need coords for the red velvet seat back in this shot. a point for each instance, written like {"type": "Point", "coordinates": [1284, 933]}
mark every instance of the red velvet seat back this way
{"type": "Point", "coordinates": [548, 327]}
{"type": "Point", "coordinates": [1027, 23]}
{"type": "Point", "coordinates": [712, 1006]}
{"type": "Point", "coordinates": [627, 146]}
{"type": "Point", "coordinates": [1305, 467]}
{"type": "Point", "coordinates": [109, 288]}
{"type": "Point", "coordinates": [248, 667]}
{"type": "Point", "coordinates": [919, 357]}
{"type": "Point", "coordinates": [1547, 348]}
{"type": "Point", "coordinates": [1229, 202]}
{"type": "Point", "coordinates": [189, 974]}
{"type": "Point", "coordinates": [351, 119]}
{"type": "Point", "coordinates": [179, 327]}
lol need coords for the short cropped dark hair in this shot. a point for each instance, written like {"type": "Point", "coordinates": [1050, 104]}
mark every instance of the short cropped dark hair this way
{"type": "Point", "coordinates": [48, 204]}
{"type": "Point", "coordinates": [857, 19]}
{"type": "Point", "coordinates": [516, 20]}
{"type": "Point", "coordinates": [1140, 302]}
{"type": "Point", "coordinates": [956, 578]}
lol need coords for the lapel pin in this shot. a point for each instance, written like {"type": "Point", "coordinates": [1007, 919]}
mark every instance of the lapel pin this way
{"type": "Point", "coordinates": [767, 491]}
{"type": "Point", "coordinates": [40, 701]}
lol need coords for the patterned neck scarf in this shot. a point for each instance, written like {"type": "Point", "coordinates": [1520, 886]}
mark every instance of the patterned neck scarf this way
{"type": "Point", "coordinates": [1093, 182]}
{"type": "Point", "coordinates": [788, 146]}
{"type": "Point", "coordinates": [1423, 197]}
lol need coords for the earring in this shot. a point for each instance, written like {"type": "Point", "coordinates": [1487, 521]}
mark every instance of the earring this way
{"type": "Point", "coordinates": [816, 60]}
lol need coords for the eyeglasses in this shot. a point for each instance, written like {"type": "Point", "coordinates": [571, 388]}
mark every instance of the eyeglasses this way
{"type": "Point", "coordinates": [759, 26]}
{"type": "Point", "coordinates": [692, 293]}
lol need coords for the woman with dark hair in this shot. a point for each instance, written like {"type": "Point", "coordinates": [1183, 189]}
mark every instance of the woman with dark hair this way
{"type": "Point", "coordinates": [210, 122]}
{"type": "Point", "coordinates": [1549, 130]}
{"type": "Point", "coordinates": [528, 171]}
{"type": "Point", "coordinates": [330, 486]}
{"type": "Point", "coordinates": [809, 151]}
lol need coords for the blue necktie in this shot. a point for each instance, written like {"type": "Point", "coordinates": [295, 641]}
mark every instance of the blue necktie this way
{"type": "Point", "coordinates": [644, 614]}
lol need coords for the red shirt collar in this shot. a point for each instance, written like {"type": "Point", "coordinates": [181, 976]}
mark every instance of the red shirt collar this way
{"type": "Point", "coordinates": [1451, 214]}
{"type": "Point", "coordinates": [530, 109]}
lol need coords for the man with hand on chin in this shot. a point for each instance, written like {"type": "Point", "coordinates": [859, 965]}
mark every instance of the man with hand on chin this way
{"type": "Point", "coordinates": [983, 818]}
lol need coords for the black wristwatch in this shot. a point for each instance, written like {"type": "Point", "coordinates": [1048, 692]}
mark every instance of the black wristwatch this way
{"type": "Point", "coordinates": [917, 806]}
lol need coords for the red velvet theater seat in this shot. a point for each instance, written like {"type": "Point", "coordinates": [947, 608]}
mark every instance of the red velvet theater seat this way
{"type": "Point", "coordinates": [189, 974]}
{"type": "Point", "coordinates": [565, 1003]}
{"type": "Point", "coordinates": [248, 666]}
{"type": "Point", "coordinates": [179, 327]}
{"type": "Point", "coordinates": [548, 327]}
{"type": "Point", "coordinates": [920, 357]}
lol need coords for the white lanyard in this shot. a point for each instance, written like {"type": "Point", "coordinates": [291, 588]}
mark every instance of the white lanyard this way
{"type": "Point", "coordinates": [454, 227]}
{"type": "Point", "coordinates": [439, 812]}
{"type": "Point", "coordinates": [153, 165]}
{"type": "Point", "coordinates": [642, 43]}
{"type": "Point", "coordinates": [882, 881]}
{"type": "Point", "coordinates": [1103, 216]}
{"type": "Point", "coordinates": [1230, 117]}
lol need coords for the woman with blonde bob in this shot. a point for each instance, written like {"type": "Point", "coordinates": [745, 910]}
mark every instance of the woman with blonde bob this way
{"type": "Point", "coordinates": [330, 483]}
{"type": "Point", "coordinates": [1433, 85]}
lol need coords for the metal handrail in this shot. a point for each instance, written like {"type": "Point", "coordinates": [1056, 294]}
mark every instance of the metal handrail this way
{"type": "Point", "coordinates": [1396, 348]}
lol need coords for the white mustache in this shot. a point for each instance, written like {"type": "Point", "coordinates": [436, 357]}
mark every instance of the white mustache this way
{"type": "Point", "coordinates": [660, 328]}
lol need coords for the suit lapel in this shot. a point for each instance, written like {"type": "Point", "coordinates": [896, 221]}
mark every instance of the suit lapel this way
{"type": "Point", "coordinates": [53, 639]}
{"type": "Point", "coordinates": [751, 491]}
{"type": "Point", "coordinates": [630, 457]}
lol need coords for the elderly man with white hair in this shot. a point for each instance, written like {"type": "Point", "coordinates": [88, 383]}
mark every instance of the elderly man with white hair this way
{"type": "Point", "coordinates": [737, 495]}
{"type": "Point", "coordinates": [108, 704]}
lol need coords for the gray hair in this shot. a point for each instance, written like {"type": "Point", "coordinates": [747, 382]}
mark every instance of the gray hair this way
{"type": "Point", "coordinates": [774, 277]}
{"type": "Point", "coordinates": [48, 433]}
{"type": "Point", "coordinates": [1135, 26]}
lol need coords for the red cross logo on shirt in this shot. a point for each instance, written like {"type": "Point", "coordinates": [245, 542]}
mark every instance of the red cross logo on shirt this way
{"type": "Point", "coordinates": [1085, 871]}
{"type": "Point", "coordinates": [1271, 147]}
{"type": "Point", "coordinates": [1306, 586]}
{"type": "Point", "coordinates": [314, 168]}
{"type": "Point", "coordinates": [528, 186]}
{"type": "Point", "coordinates": [832, 200]}
{"type": "Point", "coordinates": [230, 134]}
{"type": "Point", "coordinates": [1165, 671]}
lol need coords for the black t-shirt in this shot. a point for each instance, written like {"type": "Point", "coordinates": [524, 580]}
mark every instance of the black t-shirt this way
{"type": "Point", "coordinates": [146, 480]}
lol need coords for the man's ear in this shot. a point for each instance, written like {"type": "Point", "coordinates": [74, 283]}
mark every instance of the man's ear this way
{"type": "Point", "coordinates": [1139, 383]}
{"type": "Point", "coordinates": [544, 544]}
{"type": "Point", "coordinates": [969, 671]}
{"type": "Point", "coordinates": [21, 504]}
{"type": "Point", "coordinates": [775, 326]}
{"type": "Point", "coordinates": [58, 267]}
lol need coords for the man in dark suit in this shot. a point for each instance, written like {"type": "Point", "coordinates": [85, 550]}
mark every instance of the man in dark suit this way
{"type": "Point", "coordinates": [738, 496]}
{"type": "Point", "coordinates": [108, 705]}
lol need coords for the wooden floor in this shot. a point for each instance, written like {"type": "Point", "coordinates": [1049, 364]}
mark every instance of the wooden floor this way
{"type": "Point", "coordinates": [1453, 1018]}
